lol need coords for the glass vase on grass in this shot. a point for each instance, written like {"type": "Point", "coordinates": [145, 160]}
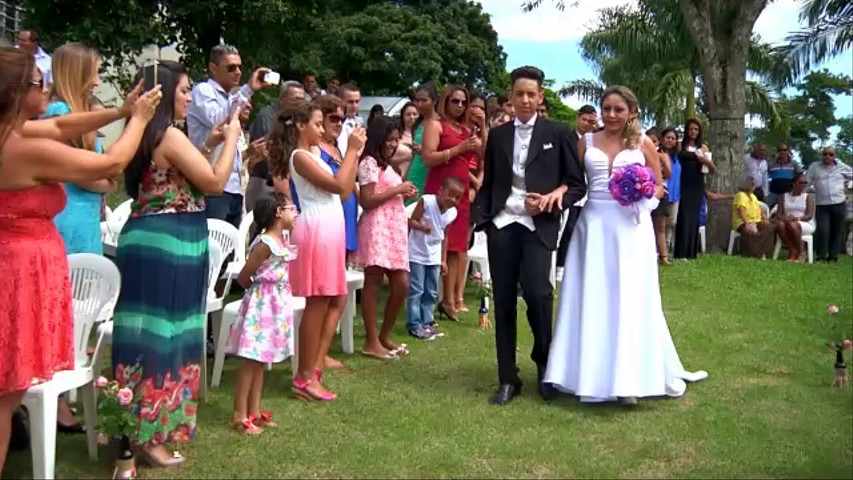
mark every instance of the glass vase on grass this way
{"type": "Point", "coordinates": [116, 421]}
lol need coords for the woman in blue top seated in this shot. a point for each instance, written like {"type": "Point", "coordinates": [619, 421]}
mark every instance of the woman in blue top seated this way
{"type": "Point", "coordinates": [75, 73]}
{"type": "Point", "coordinates": [333, 116]}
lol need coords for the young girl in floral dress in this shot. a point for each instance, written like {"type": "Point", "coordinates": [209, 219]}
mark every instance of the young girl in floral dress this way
{"type": "Point", "coordinates": [263, 332]}
{"type": "Point", "coordinates": [383, 247]}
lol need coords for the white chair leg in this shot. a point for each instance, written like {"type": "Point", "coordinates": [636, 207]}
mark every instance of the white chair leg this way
{"type": "Point", "coordinates": [777, 248]}
{"type": "Point", "coordinates": [203, 387]}
{"type": "Point", "coordinates": [702, 244]}
{"type": "Point", "coordinates": [810, 251]}
{"type": "Point", "coordinates": [346, 324]}
{"type": "Point", "coordinates": [221, 329]}
{"type": "Point", "coordinates": [90, 412]}
{"type": "Point", "coordinates": [42, 412]}
{"type": "Point", "coordinates": [731, 243]}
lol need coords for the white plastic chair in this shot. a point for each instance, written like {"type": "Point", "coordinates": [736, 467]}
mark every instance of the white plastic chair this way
{"type": "Point", "coordinates": [355, 282]}
{"type": "Point", "coordinates": [229, 316]}
{"type": "Point", "coordinates": [479, 254]}
{"type": "Point", "coordinates": [95, 280]}
{"type": "Point", "coordinates": [702, 244]}
{"type": "Point", "coordinates": [214, 306]}
{"type": "Point", "coordinates": [733, 237]}
{"type": "Point", "coordinates": [241, 251]}
{"type": "Point", "coordinates": [228, 238]}
{"type": "Point", "coordinates": [111, 227]}
{"type": "Point", "coordinates": [807, 239]}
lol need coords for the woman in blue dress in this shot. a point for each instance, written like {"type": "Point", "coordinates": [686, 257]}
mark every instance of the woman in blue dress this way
{"type": "Point", "coordinates": [75, 73]}
{"type": "Point", "coordinates": [333, 116]}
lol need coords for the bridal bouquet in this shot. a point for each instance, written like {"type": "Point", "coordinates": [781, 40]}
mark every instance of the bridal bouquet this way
{"type": "Point", "coordinates": [632, 184]}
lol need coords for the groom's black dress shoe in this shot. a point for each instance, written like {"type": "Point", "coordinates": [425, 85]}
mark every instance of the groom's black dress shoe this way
{"type": "Point", "coordinates": [505, 393]}
{"type": "Point", "coordinates": [546, 390]}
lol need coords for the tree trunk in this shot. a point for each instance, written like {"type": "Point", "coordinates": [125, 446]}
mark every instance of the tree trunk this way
{"type": "Point", "coordinates": [721, 31]}
{"type": "Point", "coordinates": [691, 98]}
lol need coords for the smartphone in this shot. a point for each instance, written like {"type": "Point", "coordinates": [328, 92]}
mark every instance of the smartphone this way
{"type": "Point", "coordinates": [149, 75]}
{"type": "Point", "coordinates": [271, 78]}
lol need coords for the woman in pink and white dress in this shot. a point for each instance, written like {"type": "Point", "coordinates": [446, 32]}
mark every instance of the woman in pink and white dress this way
{"type": "Point", "coordinates": [611, 340]}
{"type": "Point", "coordinates": [318, 273]}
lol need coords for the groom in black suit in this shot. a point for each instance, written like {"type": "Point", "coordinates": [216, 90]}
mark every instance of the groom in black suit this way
{"type": "Point", "coordinates": [531, 175]}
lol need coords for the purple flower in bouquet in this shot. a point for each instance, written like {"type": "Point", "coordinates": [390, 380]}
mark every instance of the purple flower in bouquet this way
{"type": "Point", "coordinates": [631, 183]}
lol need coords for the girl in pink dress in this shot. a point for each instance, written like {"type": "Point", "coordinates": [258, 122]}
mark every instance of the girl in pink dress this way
{"type": "Point", "coordinates": [263, 332]}
{"type": "Point", "coordinates": [383, 247]}
{"type": "Point", "coordinates": [318, 273]}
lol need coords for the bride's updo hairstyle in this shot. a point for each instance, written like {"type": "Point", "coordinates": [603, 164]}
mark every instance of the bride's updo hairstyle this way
{"type": "Point", "coordinates": [631, 134]}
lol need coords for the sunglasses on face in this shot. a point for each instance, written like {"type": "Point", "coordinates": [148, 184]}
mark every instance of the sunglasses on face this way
{"type": "Point", "coordinates": [38, 83]}
{"type": "Point", "coordinates": [458, 102]}
{"type": "Point", "coordinates": [334, 118]}
{"type": "Point", "coordinates": [782, 150]}
{"type": "Point", "coordinates": [233, 67]}
{"type": "Point", "coordinates": [828, 154]}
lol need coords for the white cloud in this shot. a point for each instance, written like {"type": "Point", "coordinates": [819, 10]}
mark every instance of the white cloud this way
{"type": "Point", "coordinates": [546, 23]}
{"type": "Point", "coordinates": [778, 20]}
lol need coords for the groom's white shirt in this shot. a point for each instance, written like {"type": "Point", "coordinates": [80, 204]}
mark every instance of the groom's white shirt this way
{"type": "Point", "coordinates": [514, 211]}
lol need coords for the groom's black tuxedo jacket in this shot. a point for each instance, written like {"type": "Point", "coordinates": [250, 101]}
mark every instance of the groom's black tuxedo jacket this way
{"type": "Point", "coordinates": [551, 162]}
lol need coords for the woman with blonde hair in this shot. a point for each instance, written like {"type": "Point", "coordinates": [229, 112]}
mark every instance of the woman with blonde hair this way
{"type": "Point", "coordinates": [75, 74]}
{"type": "Point", "coordinates": [611, 340]}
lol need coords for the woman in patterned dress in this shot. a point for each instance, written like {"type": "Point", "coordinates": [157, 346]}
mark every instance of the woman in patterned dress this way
{"type": "Point", "coordinates": [383, 248]}
{"type": "Point", "coordinates": [163, 258]}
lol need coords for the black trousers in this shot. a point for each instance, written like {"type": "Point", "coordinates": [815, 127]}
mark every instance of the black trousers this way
{"type": "Point", "coordinates": [829, 231]}
{"type": "Point", "coordinates": [563, 248]}
{"type": "Point", "coordinates": [518, 255]}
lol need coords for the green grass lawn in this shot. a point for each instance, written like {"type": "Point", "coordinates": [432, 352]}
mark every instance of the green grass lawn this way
{"type": "Point", "coordinates": [767, 410]}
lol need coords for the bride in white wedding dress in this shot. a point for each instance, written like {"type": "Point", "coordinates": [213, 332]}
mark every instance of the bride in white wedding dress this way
{"type": "Point", "coordinates": [611, 339]}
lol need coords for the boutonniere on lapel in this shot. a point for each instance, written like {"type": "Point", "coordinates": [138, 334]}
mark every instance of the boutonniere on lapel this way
{"type": "Point", "coordinates": [547, 146]}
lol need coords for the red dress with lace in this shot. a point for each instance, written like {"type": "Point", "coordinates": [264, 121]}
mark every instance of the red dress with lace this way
{"type": "Point", "coordinates": [36, 325]}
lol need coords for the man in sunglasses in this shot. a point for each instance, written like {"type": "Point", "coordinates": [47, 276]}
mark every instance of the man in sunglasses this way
{"type": "Point", "coordinates": [828, 177]}
{"type": "Point", "coordinates": [781, 175]}
{"type": "Point", "coordinates": [212, 103]}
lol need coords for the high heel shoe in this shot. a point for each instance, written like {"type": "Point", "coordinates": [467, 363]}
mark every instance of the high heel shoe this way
{"type": "Point", "coordinates": [300, 389]}
{"type": "Point", "coordinates": [442, 312]}
{"type": "Point", "coordinates": [146, 457]}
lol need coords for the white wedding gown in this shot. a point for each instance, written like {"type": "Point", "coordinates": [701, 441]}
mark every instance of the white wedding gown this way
{"type": "Point", "coordinates": [611, 339]}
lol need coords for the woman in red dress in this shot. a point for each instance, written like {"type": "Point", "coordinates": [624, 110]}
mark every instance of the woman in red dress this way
{"type": "Point", "coordinates": [35, 294]}
{"type": "Point", "coordinates": [448, 149]}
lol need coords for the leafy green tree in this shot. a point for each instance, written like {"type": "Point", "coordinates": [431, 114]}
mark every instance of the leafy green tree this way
{"type": "Point", "coordinates": [844, 140]}
{"type": "Point", "coordinates": [808, 116]}
{"type": "Point", "coordinates": [829, 33]}
{"type": "Point", "coordinates": [386, 46]}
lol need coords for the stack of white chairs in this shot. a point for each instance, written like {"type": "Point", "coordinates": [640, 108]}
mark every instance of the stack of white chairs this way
{"type": "Point", "coordinates": [95, 281]}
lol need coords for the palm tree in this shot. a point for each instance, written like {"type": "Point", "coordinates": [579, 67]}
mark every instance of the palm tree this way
{"type": "Point", "coordinates": [649, 49]}
{"type": "Point", "coordinates": [829, 33]}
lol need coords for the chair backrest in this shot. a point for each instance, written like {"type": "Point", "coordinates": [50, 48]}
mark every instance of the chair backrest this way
{"type": "Point", "coordinates": [245, 229]}
{"type": "Point", "coordinates": [216, 259]}
{"type": "Point", "coordinates": [480, 239]}
{"type": "Point", "coordinates": [107, 212]}
{"type": "Point", "coordinates": [224, 234]}
{"type": "Point", "coordinates": [95, 285]}
{"type": "Point", "coordinates": [765, 209]}
{"type": "Point", "coordinates": [121, 213]}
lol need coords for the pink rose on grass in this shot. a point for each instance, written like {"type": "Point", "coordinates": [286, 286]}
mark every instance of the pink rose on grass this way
{"type": "Point", "coordinates": [832, 309]}
{"type": "Point", "coordinates": [846, 343]}
{"type": "Point", "coordinates": [478, 276]}
{"type": "Point", "coordinates": [124, 396]}
{"type": "Point", "coordinates": [101, 382]}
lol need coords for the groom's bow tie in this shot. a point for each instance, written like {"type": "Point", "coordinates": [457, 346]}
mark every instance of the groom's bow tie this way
{"type": "Point", "coordinates": [524, 127]}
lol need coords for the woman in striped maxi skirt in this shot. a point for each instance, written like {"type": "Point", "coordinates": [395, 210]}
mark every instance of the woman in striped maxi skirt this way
{"type": "Point", "coordinates": [163, 258]}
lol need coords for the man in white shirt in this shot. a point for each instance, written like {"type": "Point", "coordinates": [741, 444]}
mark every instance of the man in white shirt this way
{"type": "Point", "coordinates": [212, 102]}
{"type": "Point", "coordinates": [531, 175]}
{"type": "Point", "coordinates": [351, 95]}
{"type": "Point", "coordinates": [755, 167]}
{"type": "Point", "coordinates": [829, 178]}
{"type": "Point", "coordinates": [28, 41]}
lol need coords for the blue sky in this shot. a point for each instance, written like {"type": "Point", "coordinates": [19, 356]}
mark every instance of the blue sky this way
{"type": "Point", "coordinates": [549, 39]}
